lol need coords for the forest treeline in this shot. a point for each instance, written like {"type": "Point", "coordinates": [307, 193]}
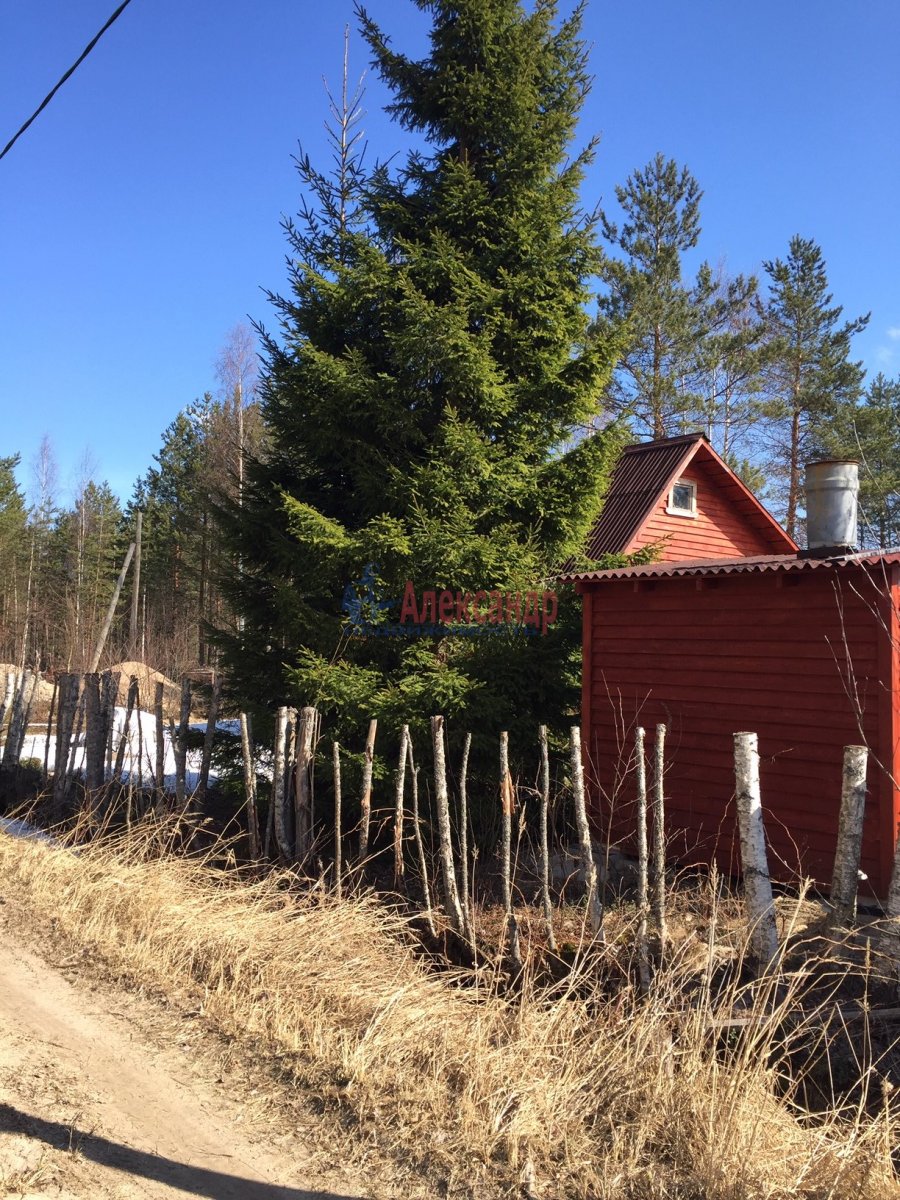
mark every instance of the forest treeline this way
{"type": "Point", "coordinates": [462, 352]}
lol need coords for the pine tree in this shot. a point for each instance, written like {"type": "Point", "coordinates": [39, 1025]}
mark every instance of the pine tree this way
{"type": "Point", "coordinates": [688, 351]}
{"type": "Point", "coordinates": [433, 362]}
{"type": "Point", "coordinates": [870, 433]}
{"type": "Point", "coordinates": [811, 377]}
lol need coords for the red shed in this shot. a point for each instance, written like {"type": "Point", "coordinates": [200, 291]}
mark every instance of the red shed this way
{"type": "Point", "coordinates": [803, 651]}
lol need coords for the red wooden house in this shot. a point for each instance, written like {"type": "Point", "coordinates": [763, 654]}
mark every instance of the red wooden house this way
{"type": "Point", "coordinates": [803, 651]}
{"type": "Point", "coordinates": [680, 494]}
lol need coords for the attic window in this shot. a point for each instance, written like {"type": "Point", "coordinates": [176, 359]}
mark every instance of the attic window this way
{"type": "Point", "coordinates": [683, 499]}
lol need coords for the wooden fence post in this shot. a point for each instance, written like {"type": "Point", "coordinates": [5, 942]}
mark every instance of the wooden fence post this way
{"type": "Point", "coordinates": [754, 861]}
{"type": "Point", "coordinates": [643, 880]}
{"type": "Point", "coordinates": [94, 739]}
{"type": "Point", "coordinates": [303, 780]}
{"type": "Point", "coordinates": [545, 843]}
{"type": "Point", "coordinates": [442, 803]}
{"type": "Point", "coordinates": [507, 806]}
{"type": "Point", "coordinates": [420, 844]}
{"type": "Point", "coordinates": [588, 866]}
{"type": "Point", "coordinates": [250, 787]}
{"type": "Point", "coordinates": [208, 738]}
{"type": "Point", "coordinates": [399, 788]}
{"type": "Point", "coordinates": [468, 911]}
{"type": "Point", "coordinates": [45, 772]}
{"type": "Point", "coordinates": [658, 861]}
{"type": "Point", "coordinates": [338, 848]}
{"type": "Point", "coordinates": [845, 880]}
{"type": "Point", "coordinates": [65, 720]}
{"type": "Point", "coordinates": [279, 785]}
{"type": "Point", "coordinates": [180, 745]}
{"type": "Point", "coordinates": [159, 766]}
{"type": "Point", "coordinates": [365, 800]}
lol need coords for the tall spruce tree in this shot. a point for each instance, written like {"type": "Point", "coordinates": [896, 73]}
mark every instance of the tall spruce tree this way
{"type": "Point", "coordinates": [811, 376]}
{"type": "Point", "coordinates": [432, 365]}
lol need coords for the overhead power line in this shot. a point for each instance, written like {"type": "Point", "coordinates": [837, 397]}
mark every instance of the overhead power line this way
{"type": "Point", "coordinates": [74, 67]}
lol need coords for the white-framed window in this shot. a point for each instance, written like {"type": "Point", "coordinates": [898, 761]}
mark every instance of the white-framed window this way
{"type": "Point", "coordinates": [682, 499]}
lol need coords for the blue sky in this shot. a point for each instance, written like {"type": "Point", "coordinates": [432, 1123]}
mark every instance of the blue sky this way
{"type": "Point", "coordinates": [139, 216]}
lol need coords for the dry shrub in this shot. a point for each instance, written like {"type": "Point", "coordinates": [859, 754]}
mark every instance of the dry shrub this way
{"type": "Point", "coordinates": [572, 1092]}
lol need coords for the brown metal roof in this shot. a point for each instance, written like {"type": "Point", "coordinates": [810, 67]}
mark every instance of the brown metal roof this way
{"type": "Point", "coordinates": [737, 566]}
{"type": "Point", "coordinates": [641, 474]}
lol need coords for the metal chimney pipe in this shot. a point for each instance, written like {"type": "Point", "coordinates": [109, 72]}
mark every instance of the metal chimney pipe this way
{"type": "Point", "coordinates": [832, 494]}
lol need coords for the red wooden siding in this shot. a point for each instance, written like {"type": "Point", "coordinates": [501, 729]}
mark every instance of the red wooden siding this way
{"type": "Point", "coordinates": [709, 656]}
{"type": "Point", "coordinates": [720, 529]}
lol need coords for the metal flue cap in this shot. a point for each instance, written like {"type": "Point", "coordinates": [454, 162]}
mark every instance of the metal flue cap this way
{"type": "Point", "coordinates": [832, 493]}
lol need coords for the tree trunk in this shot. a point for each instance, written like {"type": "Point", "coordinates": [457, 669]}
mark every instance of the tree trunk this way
{"type": "Point", "coordinates": [464, 838]}
{"type": "Point", "coordinates": [111, 612]}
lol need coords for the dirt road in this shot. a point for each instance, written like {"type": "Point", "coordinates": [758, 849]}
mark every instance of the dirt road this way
{"type": "Point", "coordinates": [94, 1105]}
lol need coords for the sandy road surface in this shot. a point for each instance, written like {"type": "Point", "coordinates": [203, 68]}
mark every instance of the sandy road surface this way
{"type": "Point", "coordinates": [92, 1106]}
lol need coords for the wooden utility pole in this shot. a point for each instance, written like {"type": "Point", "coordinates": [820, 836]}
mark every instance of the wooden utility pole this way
{"type": "Point", "coordinates": [111, 612]}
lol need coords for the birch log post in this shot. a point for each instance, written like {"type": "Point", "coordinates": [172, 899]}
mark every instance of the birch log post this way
{"type": "Point", "coordinates": [250, 787]}
{"type": "Point", "coordinates": [507, 806]}
{"type": "Point", "coordinates": [845, 879]}
{"type": "Point", "coordinates": [442, 804]}
{"type": "Point", "coordinates": [303, 780]}
{"type": "Point", "coordinates": [420, 843]}
{"type": "Point", "coordinates": [546, 900]}
{"type": "Point", "coordinates": [399, 789]}
{"type": "Point", "coordinates": [159, 766]}
{"type": "Point", "coordinates": [658, 860]}
{"type": "Point", "coordinates": [465, 899]}
{"type": "Point", "coordinates": [18, 720]}
{"type": "Point", "coordinates": [9, 690]}
{"type": "Point", "coordinates": [184, 718]}
{"type": "Point", "coordinates": [65, 720]}
{"type": "Point", "coordinates": [282, 836]}
{"type": "Point", "coordinates": [338, 848]}
{"type": "Point", "coordinates": [45, 772]}
{"type": "Point", "coordinates": [642, 851]}
{"type": "Point", "coordinates": [365, 800]}
{"type": "Point", "coordinates": [754, 861]}
{"type": "Point", "coordinates": [588, 866]}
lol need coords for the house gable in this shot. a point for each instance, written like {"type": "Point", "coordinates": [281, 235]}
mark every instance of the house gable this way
{"type": "Point", "coordinates": [726, 518]}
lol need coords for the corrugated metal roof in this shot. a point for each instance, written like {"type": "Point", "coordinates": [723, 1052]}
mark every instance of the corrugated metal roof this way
{"type": "Point", "coordinates": [737, 566]}
{"type": "Point", "coordinates": [640, 476]}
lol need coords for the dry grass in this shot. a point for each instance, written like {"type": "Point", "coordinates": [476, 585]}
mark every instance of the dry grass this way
{"type": "Point", "coordinates": [577, 1091]}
